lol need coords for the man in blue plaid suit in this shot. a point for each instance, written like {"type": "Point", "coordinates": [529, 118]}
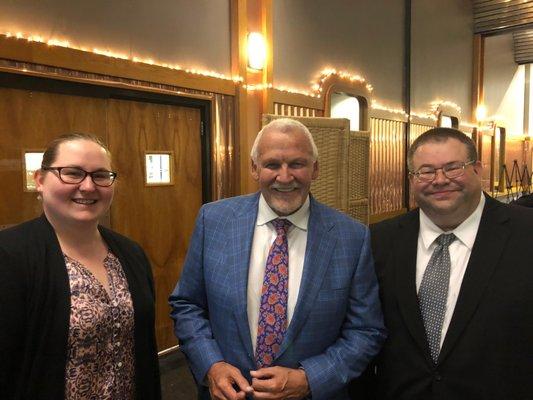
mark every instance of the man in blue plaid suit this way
{"type": "Point", "coordinates": [334, 316]}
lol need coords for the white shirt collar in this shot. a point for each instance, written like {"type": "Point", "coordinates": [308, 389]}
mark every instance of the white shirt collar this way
{"type": "Point", "coordinates": [299, 218]}
{"type": "Point", "coordinates": [466, 232]}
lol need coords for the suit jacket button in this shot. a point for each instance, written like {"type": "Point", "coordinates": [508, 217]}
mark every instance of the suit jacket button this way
{"type": "Point", "coordinates": [438, 377]}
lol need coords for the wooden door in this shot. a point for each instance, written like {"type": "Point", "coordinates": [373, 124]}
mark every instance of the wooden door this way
{"type": "Point", "coordinates": [28, 121]}
{"type": "Point", "coordinates": [160, 218]}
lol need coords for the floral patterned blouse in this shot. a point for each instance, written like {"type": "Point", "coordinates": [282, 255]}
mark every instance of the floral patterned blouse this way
{"type": "Point", "coordinates": [100, 362]}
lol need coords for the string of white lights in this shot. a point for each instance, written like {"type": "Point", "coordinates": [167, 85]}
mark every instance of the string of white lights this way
{"type": "Point", "coordinates": [316, 86]}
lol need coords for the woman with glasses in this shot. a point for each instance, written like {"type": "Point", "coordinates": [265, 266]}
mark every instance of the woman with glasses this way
{"type": "Point", "coordinates": [76, 299]}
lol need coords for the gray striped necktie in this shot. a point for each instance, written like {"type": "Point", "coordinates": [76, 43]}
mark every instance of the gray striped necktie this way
{"type": "Point", "coordinates": [433, 292]}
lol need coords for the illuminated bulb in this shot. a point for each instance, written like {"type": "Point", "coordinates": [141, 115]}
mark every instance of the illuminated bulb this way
{"type": "Point", "coordinates": [481, 112]}
{"type": "Point", "coordinates": [256, 51]}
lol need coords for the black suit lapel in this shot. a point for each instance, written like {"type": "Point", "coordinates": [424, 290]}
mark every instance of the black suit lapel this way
{"type": "Point", "coordinates": [405, 250]}
{"type": "Point", "coordinates": [490, 241]}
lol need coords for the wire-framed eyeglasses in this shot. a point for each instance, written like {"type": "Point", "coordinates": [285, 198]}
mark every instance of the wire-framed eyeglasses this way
{"type": "Point", "coordinates": [451, 171]}
{"type": "Point", "coordinates": [75, 175]}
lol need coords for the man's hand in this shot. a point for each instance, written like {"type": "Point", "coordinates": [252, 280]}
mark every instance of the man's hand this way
{"type": "Point", "coordinates": [276, 383]}
{"type": "Point", "coordinates": [224, 379]}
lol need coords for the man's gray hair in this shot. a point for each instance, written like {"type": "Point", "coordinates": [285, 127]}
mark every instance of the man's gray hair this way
{"type": "Point", "coordinates": [284, 125]}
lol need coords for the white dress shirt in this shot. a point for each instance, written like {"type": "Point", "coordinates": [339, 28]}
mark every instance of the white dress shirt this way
{"type": "Point", "coordinates": [460, 250]}
{"type": "Point", "coordinates": [264, 235]}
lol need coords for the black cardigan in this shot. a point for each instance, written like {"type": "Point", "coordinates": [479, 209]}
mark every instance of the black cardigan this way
{"type": "Point", "coordinates": [35, 312]}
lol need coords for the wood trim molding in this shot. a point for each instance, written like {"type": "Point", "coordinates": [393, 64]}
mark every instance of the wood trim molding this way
{"type": "Point", "coordinates": [477, 73]}
{"type": "Point", "coordinates": [297, 99]}
{"type": "Point", "coordinates": [466, 128]}
{"type": "Point", "coordinates": [107, 83]}
{"type": "Point", "coordinates": [268, 73]}
{"type": "Point", "coordinates": [388, 115]}
{"type": "Point", "coordinates": [239, 22]}
{"type": "Point", "coordinates": [61, 57]}
{"type": "Point", "coordinates": [449, 111]}
{"type": "Point", "coordinates": [334, 83]}
{"type": "Point", "coordinates": [414, 119]}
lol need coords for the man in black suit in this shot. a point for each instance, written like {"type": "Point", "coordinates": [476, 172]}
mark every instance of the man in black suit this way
{"type": "Point", "coordinates": [456, 283]}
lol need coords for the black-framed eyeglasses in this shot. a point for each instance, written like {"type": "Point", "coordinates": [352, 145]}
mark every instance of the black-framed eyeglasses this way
{"type": "Point", "coordinates": [74, 175]}
{"type": "Point", "coordinates": [451, 171]}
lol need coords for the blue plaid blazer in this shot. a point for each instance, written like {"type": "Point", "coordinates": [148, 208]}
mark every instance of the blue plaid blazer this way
{"type": "Point", "coordinates": [337, 326]}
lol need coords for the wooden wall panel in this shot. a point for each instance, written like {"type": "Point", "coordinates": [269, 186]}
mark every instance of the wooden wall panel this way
{"type": "Point", "coordinates": [29, 120]}
{"type": "Point", "coordinates": [487, 162]}
{"type": "Point", "coordinates": [387, 147]}
{"type": "Point", "coordinates": [223, 144]}
{"type": "Point", "coordinates": [416, 131]}
{"type": "Point", "coordinates": [161, 218]}
{"type": "Point", "coordinates": [77, 60]}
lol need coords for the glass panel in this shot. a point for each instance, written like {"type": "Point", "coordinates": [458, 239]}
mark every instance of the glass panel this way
{"type": "Point", "coordinates": [446, 121]}
{"type": "Point", "coordinates": [158, 168]}
{"type": "Point", "coordinates": [344, 106]}
{"type": "Point", "coordinates": [32, 162]}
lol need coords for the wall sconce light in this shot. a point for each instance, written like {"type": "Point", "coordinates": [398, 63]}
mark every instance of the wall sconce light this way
{"type": "Point", "coordinates": [481, 113]}
{"type": "Point", "coordinates": [256, 51]}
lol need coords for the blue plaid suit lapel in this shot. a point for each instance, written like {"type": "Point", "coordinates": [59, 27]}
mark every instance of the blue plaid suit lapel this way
{"type": "Point", "coordinates": [320, 245]}
{"type": "Point", "coordinates": [240, 240]}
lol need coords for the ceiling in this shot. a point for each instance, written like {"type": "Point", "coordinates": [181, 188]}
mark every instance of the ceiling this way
{"type": "Point", "coordinates": [497, 16]}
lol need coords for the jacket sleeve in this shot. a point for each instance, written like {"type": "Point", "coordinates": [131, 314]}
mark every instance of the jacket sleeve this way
{"type": "Point", "coordinates": [12, 314]}
{"type": "Point", "coordinates": [190, 309]}
{"type": "Point", "coordinates": [155, 390]}
{"type": "Point", "coordinates": [361, 336]}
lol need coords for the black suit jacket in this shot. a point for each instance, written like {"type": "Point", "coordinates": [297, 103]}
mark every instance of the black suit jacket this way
{"type": "Point", "coordinates": [488, 349]}
{"type": "Point", "coordinates": [35, 310]}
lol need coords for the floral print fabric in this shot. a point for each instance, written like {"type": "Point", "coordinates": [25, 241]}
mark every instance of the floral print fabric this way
{"type": "Point", "coordinates": [100, 363]}
{"type": "Point", "coordinates": [274, 294]}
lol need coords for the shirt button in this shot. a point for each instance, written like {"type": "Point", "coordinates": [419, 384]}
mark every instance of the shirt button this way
{"type": "Point", "coordinates": [118, 344]}
{"type": "Point", "coordinates": [117, 325]}
{"type": "Point", "coordinates": [119, 364]}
